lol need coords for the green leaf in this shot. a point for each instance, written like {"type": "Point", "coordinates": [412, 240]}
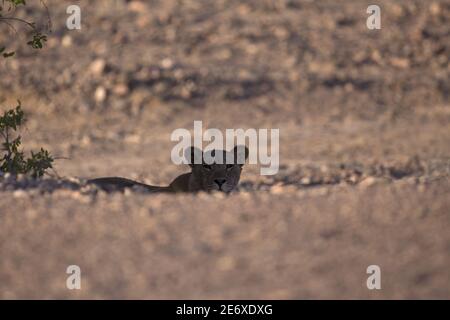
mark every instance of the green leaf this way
{"type": "Point", "coordinates": [13, 160]}
{"type": "Point", "coordinates": [37, 41]}
{"type": "Point", "coordinates": [18, 2]}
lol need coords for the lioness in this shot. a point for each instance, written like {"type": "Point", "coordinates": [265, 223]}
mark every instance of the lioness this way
{"type": "Point", "coordinates": [203, 177]}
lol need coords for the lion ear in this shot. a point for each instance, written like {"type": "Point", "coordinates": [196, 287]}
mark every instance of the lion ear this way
{"type": "Point", "coordinates": [193, 155]}
{"type": "Point", "coordinates": [240, 154]}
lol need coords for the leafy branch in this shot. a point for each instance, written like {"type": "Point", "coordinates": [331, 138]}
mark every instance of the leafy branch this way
{"type": "Point", "coordinates": [38, 38]}
{"type": "Point", "coordinates": [12, 160]}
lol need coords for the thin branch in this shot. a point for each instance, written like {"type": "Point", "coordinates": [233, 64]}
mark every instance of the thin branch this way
{"type": "Point", "coordinates": [31, 25]}
{"type": "Point", "coordinates": [55, 172]}
{"type": "Point", "coordinates": [9, 25]}
{"type": "Point", "coordinates": [49, 20]}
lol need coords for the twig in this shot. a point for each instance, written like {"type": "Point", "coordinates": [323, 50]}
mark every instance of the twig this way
{"type": "Point", "coordinates": [49, 20]}
{"type": "Point", "coordinates": [31, 25]}
{"type": "Point", "coordinates": [9, 25]}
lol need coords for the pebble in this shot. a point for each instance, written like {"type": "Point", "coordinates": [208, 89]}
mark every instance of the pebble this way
{"type": "Point", "coordinates": [66, 41]}
{"type": "Point", "coordinates": [85, 140]}
{"type": "Point", "coordinates": [167, 63]}
{"type": "Point", "coordinates": [218, 195]}
{"type": "Point", "coordinates": [121, 89]}
{"type": "Point", "coordinates": [367, 182]}
{"type": "Point", "coordinates": [19, 194]}
{"type": "Point", "coordinates": [100, 94]}
{"type": "Point", "coordinates": [137, 6]}
{"type": "Point", "coordinates": [435, 8]}
{"type": "Point", "coordinates": [97, 67]}
{"type": "Point", "coordinates": [133, 138]}
{"type": "Point", "coordinates": [305, 180]}
{"type": "Point", "coordinates": [400, 63]}
{"type": "Point", "coordinates": [277, 189]}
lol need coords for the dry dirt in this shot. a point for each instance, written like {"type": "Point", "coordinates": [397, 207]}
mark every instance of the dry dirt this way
{"type": "Point", "coordinates": [364, 119]}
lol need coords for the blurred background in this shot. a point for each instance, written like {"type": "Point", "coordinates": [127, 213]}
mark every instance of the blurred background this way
{"type": "Point", "coordinates": [364, 121]}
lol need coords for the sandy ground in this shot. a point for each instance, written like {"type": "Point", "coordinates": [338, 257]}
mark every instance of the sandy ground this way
{"type": "Point", "coordinates": [364, 119]}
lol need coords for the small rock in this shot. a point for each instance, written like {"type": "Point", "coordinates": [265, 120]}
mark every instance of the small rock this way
{"type": "Point", "coordinates": [133, 138]}
{"type": "Point", "coordinates": [203, 195]}
{"type": "Point", "coordinates": [376, 56]}
{"type": "Point", "coordinates": [397, 10]}
{"type": "Point", "coordinates": [97, 67]}
{"type": "Point", "coordinates": [120, 89]}
{"type": "Point", "coordinates": [244, 194]}
{"type": "Point", "coordinates": [435, 8]}
{"type": "Point", "coordinates": [401, 63]}
{"type": "Point", "coordinates": [353, 179]}
{"type": "Point", "coordinates": [367, 182]}
{"type": "Point", "coordinates": [66, 41]}
{"type": "Point", "coordinates": [305, 180]}
{"type": "Point", "coordinates": [143, 21]}
{"type": "Point", "coordinates": [219, 195]}
{"type": "Point", "coordinates": [85, 140]}
{"type": "Point", "coordinates": [290, 189]}
{"type": "Point", "coordinates": [411, 180]}
{"type": "Point", "coordinates": [243, 9]}
{"type": "Point", "coordinates": [137, 6]}
{"type": "Point", "coordinates": [72, 194]}
{"type": "Point", "coordinates": [167, 63]}
{"type": "Point", "coordinates": [277, 189]}
{"type": "Point", "coordinates": [19, 194]}
{"type": "Point", "coordinates": [100, 94]}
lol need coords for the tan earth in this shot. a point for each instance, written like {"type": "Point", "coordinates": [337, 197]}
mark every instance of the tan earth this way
{"type": "Point", "coordinates": [364, 120]}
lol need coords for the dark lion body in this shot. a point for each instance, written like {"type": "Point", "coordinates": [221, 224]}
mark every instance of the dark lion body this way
{"type": "Point", "coordinates": [203, 177]}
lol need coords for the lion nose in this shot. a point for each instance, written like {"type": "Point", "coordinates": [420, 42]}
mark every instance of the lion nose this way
{"type": "Point", "coordinates": [220, 182]}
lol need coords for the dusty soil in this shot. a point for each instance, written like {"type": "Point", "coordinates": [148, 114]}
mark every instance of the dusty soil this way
{"type": "Point", "coordinates": [364, 119]}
